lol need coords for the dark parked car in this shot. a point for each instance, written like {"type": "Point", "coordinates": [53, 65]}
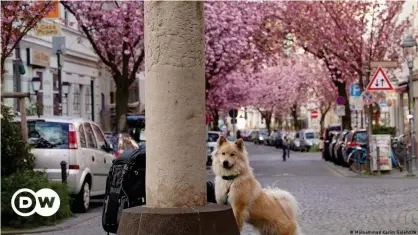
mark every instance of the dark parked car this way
{"type": "Point", "coordinates": [332, 146]}
{"type": "Point", "coordinates": [327, 140]}
{"type": "Point", "coordinates": [356, 138]}
{"type": "Point", "coordinates": [261, 137]}
{"type": "Point", "coordinates": [339, 160]}
{"type": "Point", "coordinates": [273, 139]}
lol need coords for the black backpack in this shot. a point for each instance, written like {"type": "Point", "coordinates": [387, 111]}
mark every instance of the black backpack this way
{"type": "Point", "coordinates": [125, 187]}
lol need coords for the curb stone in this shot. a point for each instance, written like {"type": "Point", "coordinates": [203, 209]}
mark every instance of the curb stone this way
{"type": "Point", "coordinates": [343, 172]}
{"type": "Point", "coordinates": [62, 225]}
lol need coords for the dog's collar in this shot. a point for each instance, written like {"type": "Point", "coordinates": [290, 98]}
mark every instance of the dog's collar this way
{"type": "Point", "coordinates": [229, 177]}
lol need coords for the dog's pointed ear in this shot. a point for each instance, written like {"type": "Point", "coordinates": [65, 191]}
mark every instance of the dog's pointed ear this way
{"type": "Point", "coordinates": [221, 141]}
{"type": "Point", "coordinates": [240, 143]}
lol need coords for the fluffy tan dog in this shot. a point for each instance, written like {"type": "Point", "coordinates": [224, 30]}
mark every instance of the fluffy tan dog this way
{"type": "Point", "coordinates": [272, 211]}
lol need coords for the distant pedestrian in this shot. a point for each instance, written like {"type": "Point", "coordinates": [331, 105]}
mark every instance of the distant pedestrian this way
{"type": "Point", "coordinates": [286, 147]}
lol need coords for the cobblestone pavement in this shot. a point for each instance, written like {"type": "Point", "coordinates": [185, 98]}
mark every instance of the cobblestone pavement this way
{"type": "Point", "coordinates": [330, 204]}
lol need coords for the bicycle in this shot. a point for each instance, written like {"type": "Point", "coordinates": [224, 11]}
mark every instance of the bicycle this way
{"type": "Point", "coordinates": [357, 160]}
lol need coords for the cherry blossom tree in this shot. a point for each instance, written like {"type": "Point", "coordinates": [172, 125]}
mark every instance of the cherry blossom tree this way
{"type": "Point", "coordinates": [115, 30]}
{"type": "Point", "coordinates": [17, 19]}
{"type": "Point", "coordinates": [343, 34]}
{"type": "Point", "coordinates": [274, 89]}
{"type": "Point", "coordinates": [230, 31]}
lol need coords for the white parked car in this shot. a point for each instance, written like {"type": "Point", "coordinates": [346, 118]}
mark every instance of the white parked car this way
{"type": "Point", "coordinates": [78, 142]}
{"type": "Point", "coordinates": [212, 138]}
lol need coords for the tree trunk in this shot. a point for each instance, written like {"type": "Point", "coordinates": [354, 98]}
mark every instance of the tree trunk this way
{"type": "Point", "coordinates": [294, 114]}
{"type": "Point", "coordinates": [122, 95]}
{"type": "Point", "coordinates": [3, 70]}
{"type": "Point", "coordinates": [268, 124]}
{"type": "Point", "coordinates": [215, 122]}
{"type": "Point", "coordinates": [323, 115]}
{"type": "Point", "coordinates": [346, 123]}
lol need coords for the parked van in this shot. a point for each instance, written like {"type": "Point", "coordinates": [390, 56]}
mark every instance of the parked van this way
{"type": "Point", "coordinates": [307, 139]}
{"type": "Point", "coordinates": [81, 144]}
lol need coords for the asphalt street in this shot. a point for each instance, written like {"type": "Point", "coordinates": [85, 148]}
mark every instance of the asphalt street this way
{"type": "Point", "coordinates": [330, 204]}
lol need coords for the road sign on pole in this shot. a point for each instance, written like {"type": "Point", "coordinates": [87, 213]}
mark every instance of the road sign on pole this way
{"type": "Point", "coordinates": [380, 82]}
{"type": "Point", "coordinates": [368, 97]}
{"type": "Point", "coordinates": [233, 113]}
{"type": "Point", "coordinates": [314, 114]}
{"type": "Point", "coordinates": [340, 110]}
{"type": "Point", "coordinates": [340, 100]}
{"type": "Point", "coordinates": [355, 90]}
{"type": "Point", "coordinates": [356, 103]}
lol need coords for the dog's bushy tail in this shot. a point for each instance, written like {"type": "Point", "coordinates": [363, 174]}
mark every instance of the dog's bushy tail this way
{"type": "Point", "coordinates": [288, 202]}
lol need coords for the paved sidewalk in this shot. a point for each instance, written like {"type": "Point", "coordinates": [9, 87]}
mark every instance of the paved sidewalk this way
{"type": "Point", "coordinates": [344, 171]}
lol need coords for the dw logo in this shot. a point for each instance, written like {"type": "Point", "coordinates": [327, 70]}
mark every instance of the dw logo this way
{"type": "Point", "coordinates": [47, 202]}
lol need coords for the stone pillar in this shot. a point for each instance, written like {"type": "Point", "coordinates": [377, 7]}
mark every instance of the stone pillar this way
{"type": "Point", "coordinates": [175, 98]}
{"type": "Point", "coordinates": [176, 201]}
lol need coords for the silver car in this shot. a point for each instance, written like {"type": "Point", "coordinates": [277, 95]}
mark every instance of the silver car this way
{"type": "Point", "coordinates": [78, 142]}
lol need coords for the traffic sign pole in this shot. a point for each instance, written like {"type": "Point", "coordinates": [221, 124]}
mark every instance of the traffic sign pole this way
{"type": "Point", "coordinates": [233, 113]}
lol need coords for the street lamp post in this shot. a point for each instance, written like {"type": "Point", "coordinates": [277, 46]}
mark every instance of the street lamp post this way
{"type": "Point", "coordinates": [36, 86]}
{"type": "Point", "coordinates": [409, 45]}
{"type": "Point", "coordinates": [65, 90]}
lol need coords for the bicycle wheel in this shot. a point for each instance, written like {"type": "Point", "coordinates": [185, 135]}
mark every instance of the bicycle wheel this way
{"type": "Point", "coordinates": [356, 161]}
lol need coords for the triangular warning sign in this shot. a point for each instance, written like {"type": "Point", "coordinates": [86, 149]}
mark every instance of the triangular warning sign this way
{"type": "Point", "coordinates": [380, 82]}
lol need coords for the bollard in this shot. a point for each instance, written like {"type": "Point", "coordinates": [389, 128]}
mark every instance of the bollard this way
{"type": "Point", "coordinates": [378, 159]}
{"type": "Point", "coordinates": [64, 172]}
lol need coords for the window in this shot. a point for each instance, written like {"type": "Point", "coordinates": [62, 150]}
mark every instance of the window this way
{"type": "Point", "coordinates": [83, 141]}
{"type": "Point", "coordinates": [91, 140]}
{"type": "Point", "coordinates": [361, 137]}
{"type": "Point", "coordinates": [87, 101]}
{"type": "Point", "coordinates": [350, 136]}
{"type": "Point", "coordinates": [133, 92]}
{"type": "Point", "coordinates": [99, 135]}
{"type": "Point", "coordinates": [310, 135]}
{"type": "Point", "coordinates": [297, 135]}
{"type": "Point", "coordinates": [48, 135]}
{"type": "Point", "coordinates": [76, 100]}
{"type": "Point", "coordinates": [112, 97]}
{"type": "Point", "coordinates": [40, 95]}
{"type": "Point", "coordinates": [66, 18]}
{"type": "Point", "coordinates": [56, 97]}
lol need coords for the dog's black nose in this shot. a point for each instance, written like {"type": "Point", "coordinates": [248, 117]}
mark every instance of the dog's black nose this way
{"type": "Point", "coordinates": [226, 163]}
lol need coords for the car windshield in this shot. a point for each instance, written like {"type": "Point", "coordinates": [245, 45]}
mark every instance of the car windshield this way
{"type": "Point", "coordinates": [48, 135]}
{"type": "Point", "coordinates": [361, 137]}
{"type": "Point", "coordinates": [310, 135]}
{"type": "Point", "coordinates": [213, 137]}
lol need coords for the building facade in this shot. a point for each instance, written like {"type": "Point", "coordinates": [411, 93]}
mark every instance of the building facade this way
{"type": "Point", "coordinates": [89, 90]}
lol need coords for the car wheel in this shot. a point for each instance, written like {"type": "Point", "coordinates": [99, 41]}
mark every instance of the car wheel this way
{"type": "Point", "coordinates": [82, 200]}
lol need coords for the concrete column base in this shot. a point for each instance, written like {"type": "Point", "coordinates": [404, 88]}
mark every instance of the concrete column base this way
{"type": "Point", "coordinates": [212, 219]}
